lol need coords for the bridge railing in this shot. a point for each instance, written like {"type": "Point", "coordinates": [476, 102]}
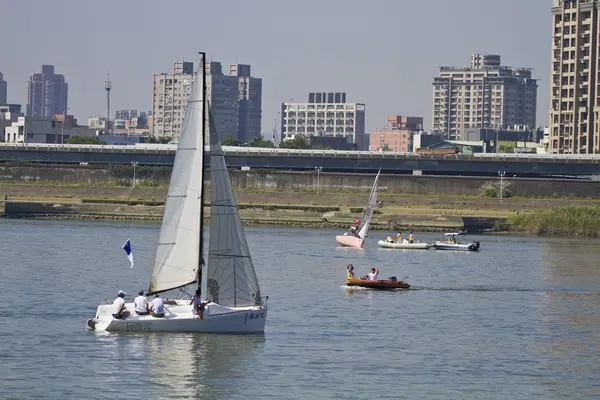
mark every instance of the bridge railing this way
{"type": "Point", "coordinates": [277, 152]}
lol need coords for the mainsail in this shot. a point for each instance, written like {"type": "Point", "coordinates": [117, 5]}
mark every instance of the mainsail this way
{"type": "Point", "coordinates": [369, 210]}
{"type": "Point", "coordinates": [178, 253]}
{"type": "Point", "coordinates": [231, 279]}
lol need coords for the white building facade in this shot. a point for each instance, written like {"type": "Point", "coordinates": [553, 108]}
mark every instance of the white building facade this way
{"type": "Point", "coordinates": [323, 118]}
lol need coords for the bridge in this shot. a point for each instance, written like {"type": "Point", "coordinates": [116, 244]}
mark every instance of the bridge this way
{"type": "Point", "coordinates": [522, 165]}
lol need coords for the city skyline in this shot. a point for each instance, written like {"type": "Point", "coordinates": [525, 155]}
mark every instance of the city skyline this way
{"type": "Point", "coordinates": [293, 61]}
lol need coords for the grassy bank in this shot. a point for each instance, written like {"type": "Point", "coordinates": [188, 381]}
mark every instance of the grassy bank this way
{"type": "Point", "coordinates": [567, 220]}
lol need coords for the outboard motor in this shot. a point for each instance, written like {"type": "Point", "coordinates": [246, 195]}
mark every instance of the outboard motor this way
{"type": "Point", "coordinates": [392, 278]}
{"type": "Point", "coordinates": [477, 246]}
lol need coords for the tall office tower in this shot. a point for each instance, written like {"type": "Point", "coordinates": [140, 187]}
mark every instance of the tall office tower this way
{"type": "Point", "coordinates": [250, 102]}
{"type": "Point", "coordinates": [3, 90]}
{"type": "Point", "coordinates": [47, 93]}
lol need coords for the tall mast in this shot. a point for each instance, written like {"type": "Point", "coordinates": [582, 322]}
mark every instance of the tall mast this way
{"type": "Point", "coordinates": [201, 258]}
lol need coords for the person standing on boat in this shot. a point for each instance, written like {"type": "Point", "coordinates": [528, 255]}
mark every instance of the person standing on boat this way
{"type": "Point", "coordinates": [411, 238]}
{"type": "Point", "coordinates": [119, 311]}
{"type": "Point", "coordinates": [350, 271]}
{"type": "Point", "coordinates": [198, 305]}
{"type": "Point", "coordinates": [157, 307]}
{"type": "Point", "coordinates": [372, 276]}
{"type": "Point", "coordinates": [140, 304]}
{"type": "Point", "coordinates": [399, 237]}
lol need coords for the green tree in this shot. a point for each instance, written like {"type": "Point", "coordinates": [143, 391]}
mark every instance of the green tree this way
{"type": "Point", "coordinates": [228, 140]}
{"type": "Point", "coordinates": [158, 139]}
{"type": "Point", "coordinates": [298, 142]}
{"type": "Point", "coordinates": [76, 139]}
{"type": "Point", "coordinates": [258, 141]}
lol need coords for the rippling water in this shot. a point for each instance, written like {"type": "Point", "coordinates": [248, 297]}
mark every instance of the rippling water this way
{"type": "Point", "coordinates": [518, 320]}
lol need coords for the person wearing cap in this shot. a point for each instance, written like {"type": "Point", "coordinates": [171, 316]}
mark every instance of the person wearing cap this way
{"type": "Point", "coordinates": [157, 307]}
{"type": "Point", "coordinates": [119, 311]}
{"type": "Point", "coordinates": [140, 304]}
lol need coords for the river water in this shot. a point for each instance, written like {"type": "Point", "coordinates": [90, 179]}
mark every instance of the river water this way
{"type": "Point", "coordinates": [518, 320]}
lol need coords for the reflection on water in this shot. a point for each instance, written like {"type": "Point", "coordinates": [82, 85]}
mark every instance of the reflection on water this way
{"type": "Point", "coordinates": [179, 365]}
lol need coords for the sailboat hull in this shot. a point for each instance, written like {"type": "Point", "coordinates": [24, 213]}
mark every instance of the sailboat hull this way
{"type": "Point", "coordinates": [179, 318]}
{"type": "Point", "coordinates": [349, 241]}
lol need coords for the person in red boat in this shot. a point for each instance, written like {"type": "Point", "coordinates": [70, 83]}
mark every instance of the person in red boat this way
{"type": "Point", "coordinates": [350, 271]}
{"type": "Point", "coordinates": [372, 276]}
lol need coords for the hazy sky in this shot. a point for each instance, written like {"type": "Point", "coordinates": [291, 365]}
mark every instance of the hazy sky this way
{"type": "Point", "coordinates": [381, 52]}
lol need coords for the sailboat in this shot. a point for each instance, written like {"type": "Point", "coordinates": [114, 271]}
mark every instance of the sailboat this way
{"type": "Point", "coordinates": [228, 281]}
{"type": "Point", "coordinates": [349, 239]}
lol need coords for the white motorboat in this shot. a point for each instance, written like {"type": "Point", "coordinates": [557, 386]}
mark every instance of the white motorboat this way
{"type": "Point", "coordinates": [452, 244]}
{"type": "Point", "coordinates": [230, 286]}
{"type": "Point", "coordinates": [357, 239]}
{"type": "Point", "coordinates": [405, 244]}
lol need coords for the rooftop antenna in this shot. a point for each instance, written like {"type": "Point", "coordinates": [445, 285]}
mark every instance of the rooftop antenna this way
{"type": "Point", "coordinates": [107, 87]}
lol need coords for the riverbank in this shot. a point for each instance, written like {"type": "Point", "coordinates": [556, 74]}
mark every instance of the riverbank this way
{"type": "Point", "coordinates": [563, 221]}
{"type": "Point", "coordinates": [326, 210]}
{"type": "Point", "coordinates": [282, 215]}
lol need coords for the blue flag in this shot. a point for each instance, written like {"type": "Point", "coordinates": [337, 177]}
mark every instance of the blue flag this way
{"type": "Point", "coordinates": [127, 248]}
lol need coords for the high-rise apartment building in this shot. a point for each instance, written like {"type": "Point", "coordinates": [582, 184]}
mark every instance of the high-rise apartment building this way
{"type": "Point", "coordinates": [483, 95]}
{"type": "Point", "coordinates": [46, 93]}
{"type": "Point", "coordinates": [3, 90]}
{"type": "Point", "coordinates": [575, 105]}
{"type": "Point", "coordinates": [235, 100]}
{"type": "Point", "coordinates": [250, 102]}
{"type": "Point", "coordinates": [170, 95]}
{"type": "Point", "coordinates": [325, 114]}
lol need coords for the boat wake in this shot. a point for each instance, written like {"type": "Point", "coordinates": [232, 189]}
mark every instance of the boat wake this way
{"type": "Point", "coordinates": [502, 289]}
{"type": "Point", "coordinates": [363, 289]}
{"type": "Point", "coordinates": [481, 289]}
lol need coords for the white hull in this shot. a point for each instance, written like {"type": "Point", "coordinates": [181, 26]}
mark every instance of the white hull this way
{"type": "Point", "coordinates": [456, 246]}
{"type": "Point", "coordinates": [179, 318]}
{"type": "Point", "coordinates": [414, 246]}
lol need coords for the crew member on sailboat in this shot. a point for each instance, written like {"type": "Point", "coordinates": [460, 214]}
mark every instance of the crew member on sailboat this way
{"type": "Point", "coordinates": [197, 304]}
{"type": "Point", "coordinates": [119, 311]}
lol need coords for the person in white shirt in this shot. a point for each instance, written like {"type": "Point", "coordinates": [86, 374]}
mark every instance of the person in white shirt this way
{"type": "Point", "coordinates": [157, 307]}
{"type": "Point", "coordinates": [119, 311]}
{"type": "Point", "coordinates": [140, 304]}
{"type": "Point", "coordinates": [198, 305]}
{"type": "Point", "coordinates": [372, 276]}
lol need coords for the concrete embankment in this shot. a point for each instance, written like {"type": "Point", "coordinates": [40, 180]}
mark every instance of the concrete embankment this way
{"type": "Point", "coordinates": [253, 214]}
{"type": "Point", "coordinates": [272, 207]}
{"type": "Point", "coordinates": [261, 208]}
{"type": "Point", "coordinates": [257, 180]}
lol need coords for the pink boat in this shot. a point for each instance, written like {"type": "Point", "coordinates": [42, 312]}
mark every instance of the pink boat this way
{"type": "Point", "coordinates": [355, 239]}
{"type": "Point", "coordinates": [350, 241]}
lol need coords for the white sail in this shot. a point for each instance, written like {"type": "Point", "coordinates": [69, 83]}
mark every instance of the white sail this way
{"type": "Point", "coordinates": [230, 276]}
{"type": "Point", "coordinates": [178, 253]}
{"type": "Point", "coordinates": [364, 230]}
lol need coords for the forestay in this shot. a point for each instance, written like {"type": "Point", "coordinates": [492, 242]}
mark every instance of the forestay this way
{"type": "Point", "coordinates": [177, 255]}
{"type": "Point", "coordinates": [364, 230]}
{"type": "Point", "coordinates": [231, 279]}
